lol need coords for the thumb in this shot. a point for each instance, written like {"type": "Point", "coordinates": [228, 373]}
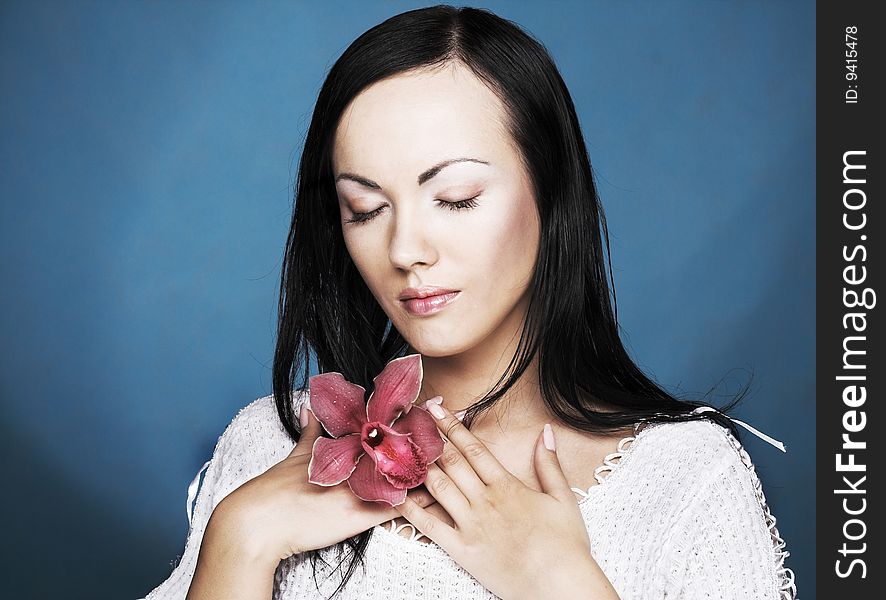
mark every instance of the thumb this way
{"type": "Point", "coordinates": [310, 431]}
{"type": "Point", "coordinates": [547, 466]}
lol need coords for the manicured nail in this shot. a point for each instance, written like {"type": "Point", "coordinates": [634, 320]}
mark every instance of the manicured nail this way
{"type": "Point", "coordinates": [303, 416]}
{"type": "Point", "coordinates": [436, 409]}
{"type": "Point", "coordinates": [460, 414]}
{"type": "Point", "coordinates": [549, 437]}
{"type": "Point", "coordinates": [435, 400]}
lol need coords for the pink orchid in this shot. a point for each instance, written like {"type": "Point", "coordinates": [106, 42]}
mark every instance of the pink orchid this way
{"type": "Point", "coordinates": [382, 447]}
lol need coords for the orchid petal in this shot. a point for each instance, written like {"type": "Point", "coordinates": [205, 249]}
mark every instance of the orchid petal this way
{"type": "Point", "coordinates": [396, 388]}
{"type": "Point", "coordinates": [369, 484]}
{"type": "Point", "coordinates": [423, 429]}
{"type": "Point", "coordinates": [333, 460]}
{"type": "Point", "coordinates": [337, 403]}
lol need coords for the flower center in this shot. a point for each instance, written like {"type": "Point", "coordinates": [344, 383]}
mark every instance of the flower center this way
{"type": "Point", "coordinates": [396, 456]}
{"type": "Point", "coordinates": [374, 436]}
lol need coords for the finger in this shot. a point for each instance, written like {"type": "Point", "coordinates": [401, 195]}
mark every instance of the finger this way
{"type": "Point", "coordinates": [419, 495]}
{"type": "Point", "coordinates": [548, 468]}
{"type": "Point", "coordinates": [310, 431]}
{"type": "Point", "coordinates": [427, 523]}
{"type": "Point", "coordinates": [447, 493]}
{"type": "Point", "coordinates": [483, 462]}
{"type": "Point", "coordinates": [435, 509]}
{"type": "Point", "coordinates": [422, 496]}
{"type": "Point", "coordinates": [458, 470]}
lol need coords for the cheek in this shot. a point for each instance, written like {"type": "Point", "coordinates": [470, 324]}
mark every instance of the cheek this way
{"type": "Point", "coordinates": [365, 252]}
{"type": "Point", "coordinates": [502, 249]}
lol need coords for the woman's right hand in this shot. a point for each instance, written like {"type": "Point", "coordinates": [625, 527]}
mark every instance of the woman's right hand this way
{"type": "Point", "coordinates": [279, 513]}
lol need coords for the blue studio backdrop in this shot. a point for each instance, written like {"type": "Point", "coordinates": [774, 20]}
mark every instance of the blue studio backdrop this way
{"type": "Point", "coordinates": [148, 152]}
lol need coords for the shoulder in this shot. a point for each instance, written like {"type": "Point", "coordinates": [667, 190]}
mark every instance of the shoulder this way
{"type": "Point", "coordinates": [684, 463]}
{"type": "Point", "coordinates": [257, 415]}
{"type": "Point", "coordinates": [702, 473]}
{"type": "Point", "coordinates": [259, 422]}
{"type": "Point", "coordinates": [723, 529]}
{"type": "Point", "coordinates": [252, 442]}
{"type": "Point", "coordinates": [260, 414]}
{"type": "Point", "coordinates": [698, 449]}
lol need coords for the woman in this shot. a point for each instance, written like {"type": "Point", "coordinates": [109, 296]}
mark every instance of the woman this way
{"type": "Point", "coordinates": [445, 206]}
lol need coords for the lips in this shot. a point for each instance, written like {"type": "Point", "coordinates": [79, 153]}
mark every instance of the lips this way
{"type": "Point", "coordinates": [424, 292]}
{"type": "Point", "coordinates": [429, 304]}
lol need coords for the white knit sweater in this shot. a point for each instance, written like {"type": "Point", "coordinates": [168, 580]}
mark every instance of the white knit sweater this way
{"type": "Point", "coordinates": [680, 513]}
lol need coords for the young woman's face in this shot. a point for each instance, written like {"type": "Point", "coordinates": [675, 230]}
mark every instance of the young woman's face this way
{"type": "Point", "coordinates": [425, 164]}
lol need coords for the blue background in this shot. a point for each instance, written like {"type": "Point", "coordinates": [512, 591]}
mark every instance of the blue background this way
{"type": "Point", "coordinates": [148, 151]}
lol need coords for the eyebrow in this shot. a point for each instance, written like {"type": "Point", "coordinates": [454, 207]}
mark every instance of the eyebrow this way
{"type": "Point", "coordinates": [422, 179]}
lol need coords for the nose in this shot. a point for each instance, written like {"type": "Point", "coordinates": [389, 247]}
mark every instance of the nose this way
{"type": "Point", "coordinates": [410, 243]}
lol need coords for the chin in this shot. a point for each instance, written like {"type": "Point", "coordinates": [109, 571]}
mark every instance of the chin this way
{"type": "Point", "coordinates": [434, 345]}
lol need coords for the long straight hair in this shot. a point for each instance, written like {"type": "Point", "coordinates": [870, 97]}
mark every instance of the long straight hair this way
{"type": "Point", "coordinates": [326, 309]}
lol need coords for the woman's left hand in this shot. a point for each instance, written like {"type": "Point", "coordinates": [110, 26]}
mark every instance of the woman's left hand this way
{"type": "Point", "coordinates": [517, 542]}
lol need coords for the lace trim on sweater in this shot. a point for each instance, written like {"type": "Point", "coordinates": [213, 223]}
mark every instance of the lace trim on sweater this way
{"type": "Point", "coordinates": [787, 583]}
{"type": "Point", "coordinates": [609, 464]}
{"type": "Point", "coordinates": [395, 529]}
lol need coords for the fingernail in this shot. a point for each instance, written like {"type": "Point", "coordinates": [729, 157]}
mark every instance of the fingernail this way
{"type": "Point", "coordinates": [460, 414]}
{"type": "Point", "coordinates": [434, 400]}
{"type": "Point", "coordinates": [436, 410]}
{"type": "Point", "coordinates": [549, 437]}
{"type": "Point", "coordinates": [303, 416]}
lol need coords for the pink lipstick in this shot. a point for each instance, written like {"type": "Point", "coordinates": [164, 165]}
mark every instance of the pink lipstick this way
{"type": "Point", "coordinates": [426, 300]}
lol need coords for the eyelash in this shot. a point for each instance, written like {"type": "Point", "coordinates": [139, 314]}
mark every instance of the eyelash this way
{"type": "Point", "coordinates": [360, 218]}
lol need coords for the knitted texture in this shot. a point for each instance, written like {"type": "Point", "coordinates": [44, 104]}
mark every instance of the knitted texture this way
{"type": "Point", "coordinates": [678, 512]}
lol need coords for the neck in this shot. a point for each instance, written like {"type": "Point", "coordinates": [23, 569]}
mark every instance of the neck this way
{"type": "Point", "coordinates": [464, 378]}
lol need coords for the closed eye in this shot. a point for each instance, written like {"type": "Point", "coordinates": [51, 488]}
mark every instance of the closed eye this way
{"type": "Point", "coordinates": [360, 218]}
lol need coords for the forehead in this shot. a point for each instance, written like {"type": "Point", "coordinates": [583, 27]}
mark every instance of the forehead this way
{"type": "Point", "coordinates": [399, 124]}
